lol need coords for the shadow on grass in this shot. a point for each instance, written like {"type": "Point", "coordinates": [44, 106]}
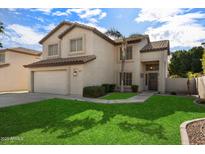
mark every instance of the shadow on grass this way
{"type": "Point", "coordinates": [151, 129]}
{"type": "Point", "coordinates": [51, 115]}
{"type": "Point", "coordinates": [71, 128]}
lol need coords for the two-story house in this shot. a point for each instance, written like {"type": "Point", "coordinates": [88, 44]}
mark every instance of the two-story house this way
{"type": "Point", "coordinates": [76, 56]}
{"type": "Point", "coordinates": [13, 76]}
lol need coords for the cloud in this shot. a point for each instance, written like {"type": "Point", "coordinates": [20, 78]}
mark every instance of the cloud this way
{"type": "Point", "coordinates": [158, 15]}
{"type": "Point", "coordinates": [91, 15]}
{"type": "Point", "coordinates": [46, 11]}
{"type": "Point", "coordinates": [102, 29]}
{"type": "Point", "coordinates": [39, 19]}
{"type": "Point", "coordinates": [180, 26]}
{"type": "Point", "coordinates": [19, 35]}
{"type": "Point", "coordinates": [49, 27]}
{"type": "Point", "coordinates": [59, 13]}
{"type": "Point", "coordinates": [12, 9]}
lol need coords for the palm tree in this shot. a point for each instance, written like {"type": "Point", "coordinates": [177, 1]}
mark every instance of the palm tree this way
{"type": "Point", "coordinates": [1, 31]}
{"type": "Point", "coordinates": [116, 34]}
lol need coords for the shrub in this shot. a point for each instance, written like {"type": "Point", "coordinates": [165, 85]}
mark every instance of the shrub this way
{"type": "Point", "coordinates": [134, 88]}
{"type": "Point", "coordinates": [173, 93]}
{"type": "Point", "coordinates": [112, 87]}
{"type": "Point", "coordinates": [109, 87]}
{"type": "Point", "coordinates": [93, 91]}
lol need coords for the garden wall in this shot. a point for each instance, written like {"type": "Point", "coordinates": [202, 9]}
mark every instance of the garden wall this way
{"type": "Point", "coordinates": [179, 85]}
{"type": "Point", "coordinates": [201, 87]}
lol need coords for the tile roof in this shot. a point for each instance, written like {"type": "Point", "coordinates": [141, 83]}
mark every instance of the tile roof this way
{"type": "Point", "coordinates": [62, 61]}
{"type": "Point", "coordinates": [102, 35]}
{"type": "Point", "coordinates": [95, 30]}
{"type": "Point", "coordinates": [157, 45]}
{"type": "Point", "coordinates": [23, 50]}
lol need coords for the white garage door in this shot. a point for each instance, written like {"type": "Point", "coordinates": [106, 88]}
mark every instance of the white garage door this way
{"type": "Point", "coordinates": [55, 82]}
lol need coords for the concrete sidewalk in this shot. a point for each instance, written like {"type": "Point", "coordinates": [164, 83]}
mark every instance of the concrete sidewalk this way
{"type": "Point", "coordinates": [9, 99]}
{"type": "Point", "coordinates": [140, 98]}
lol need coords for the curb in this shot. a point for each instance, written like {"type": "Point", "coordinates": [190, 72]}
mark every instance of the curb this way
{"type": "Point", "coordinates": [195, 102]}
{"type": "Point", "coordinates": [183, 132]}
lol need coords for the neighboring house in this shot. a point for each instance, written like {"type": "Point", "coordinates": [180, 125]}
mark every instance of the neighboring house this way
{"type": "Point", "coordinates": [75, 56]}
{"type": "Point", "coordinates": [13, 76]}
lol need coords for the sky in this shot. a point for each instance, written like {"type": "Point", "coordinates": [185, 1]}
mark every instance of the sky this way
{"type": "Point", "coordinates": [184, 28]}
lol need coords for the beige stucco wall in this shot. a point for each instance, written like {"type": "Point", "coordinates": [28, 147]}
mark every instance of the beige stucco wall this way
{"type": "Point", "coordinates": [76, 81]}
{"type": "Point", "coordinates": [106, 67]}
{"type": "Point", "coordinates": [133, 65]}
{"type": "Point", "coordinates": [179, 85]}
{"type": "Point", "coordinates": [160, 56]}
{"type": "Point", "coordinates": [53, 40]}
{"type": "Point", "coordinates": [88, 42]}
{"type": "Point", "coordinates": [101, 70]}
{"type": "Point", "coordinates": [201, 86]}
{"type": "Point", "coordinates": [14, 76]}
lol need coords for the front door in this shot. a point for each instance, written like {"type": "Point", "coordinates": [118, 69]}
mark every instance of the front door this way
{"type": "Point", "coordinates": [153, 81]}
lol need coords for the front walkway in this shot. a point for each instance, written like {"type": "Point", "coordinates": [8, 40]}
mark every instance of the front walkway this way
{"type": "Point", "coordinates": [9, 99]}
{"type": "Point", "coordinates": [140, 98]}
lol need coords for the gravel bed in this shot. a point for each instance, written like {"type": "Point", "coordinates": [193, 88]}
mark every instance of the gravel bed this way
{"type": "Point", "coordinates": [196, 132]}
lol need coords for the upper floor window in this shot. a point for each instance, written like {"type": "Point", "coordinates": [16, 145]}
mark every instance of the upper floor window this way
{"type": "Point", "coordinates": [53, 50]}
{"type": "Point", "coordinates": [76, 45]}
{"type": "Point", "coordinates": [128, 54]}
{"type": "Point", "coordinates": [2, 58]}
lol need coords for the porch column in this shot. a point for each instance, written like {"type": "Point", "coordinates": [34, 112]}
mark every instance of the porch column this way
{"type": "Point", "coordinates": [162, 75]}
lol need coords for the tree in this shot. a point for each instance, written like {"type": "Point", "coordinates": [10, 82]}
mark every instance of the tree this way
{"type": "Point", "coordinates": [184, 61]}
{"type": "Point", "coordinates": [191, 76]}
{"type": "Point", "coordinates": [180, 63]}
{"type": "Point", "coordinates": [116, 34]}
{"type": "Point", "coordinates": [203, 62]}
{"type": "Point", "coordinates": [196, 55]}
{"type": "Point", "coordinates": [1, 32]}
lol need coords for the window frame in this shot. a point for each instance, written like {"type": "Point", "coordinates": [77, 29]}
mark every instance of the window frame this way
{"type": "Point", "coordinates": [76, 45]}
{"type": "Point", "coordinates": [126, 56]}
{"type": "Point", "coordinates": [152, 67]}
{"type": "Point", "coordinates": [4, 58]}
{"type": "Point", "coordinates": [53, 55]}
{"type": "Point", "coordinates": [127, 78]}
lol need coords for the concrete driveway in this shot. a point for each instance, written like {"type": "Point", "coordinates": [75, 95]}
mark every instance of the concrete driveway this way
{"type": "Point", "coordinates": [9, 99]}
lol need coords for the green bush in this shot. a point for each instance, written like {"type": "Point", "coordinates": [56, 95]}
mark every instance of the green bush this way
{"type": "Point", "coordinates": [93, 91]}
{"type": "Point", "coordinates": [109, 87]}
{"type": "Point", "coordinates": [134, 88]}
{"type": "Point", "coordinates": [112, 87]}
{"type": "Point", "coordinates": [173, 93]}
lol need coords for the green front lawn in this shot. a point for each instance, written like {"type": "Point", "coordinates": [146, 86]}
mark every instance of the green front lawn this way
{"type": "Point", "coordinates": [59, 121]}
{"type": "Point", "coordinates": [118, 95]}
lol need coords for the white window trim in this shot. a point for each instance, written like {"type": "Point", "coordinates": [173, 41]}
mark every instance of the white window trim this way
{"type": "Point", "coordinates": [58, 52]}
{"type": "Point", "coordinates": [4, 58]}
{"type": "Point", "coordinates": [131, 79]}
{"type": "Point", "coordinates": [83, 45]}
{"type": "Point", "coordinates": [126, 60]}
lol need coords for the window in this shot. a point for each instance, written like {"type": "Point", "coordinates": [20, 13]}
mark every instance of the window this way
{"type": "Point", "coordinates": [76, 45]}
{"type": "Point", "coordinates": [2, 58]}
{"type": "Point", "coordinates": [53, 50]}
{"type": "Point", "coordinates": [128, 54]}
{"type": "Point", "coordinates": [152, 67]}
{"type": "Point", "coordinates": [127, 78]}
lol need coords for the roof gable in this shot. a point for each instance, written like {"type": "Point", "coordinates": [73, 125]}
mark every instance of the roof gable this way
{"type": "Point", "coordinates": [54, 30]}
{"type": "Point", "coordinates": [155, 46]}
{"type": "Point", "coordinates": [23, 51]}
{"type": "Point", "coordinates": [97, 32]}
